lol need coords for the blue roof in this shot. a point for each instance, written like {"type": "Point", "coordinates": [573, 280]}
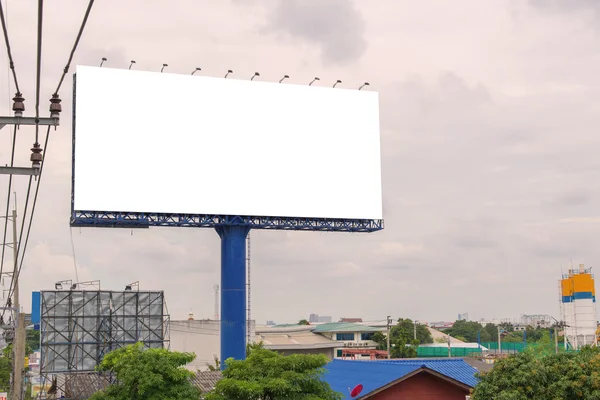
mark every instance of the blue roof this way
{"type": "Point", "coordinates": [343, 375]}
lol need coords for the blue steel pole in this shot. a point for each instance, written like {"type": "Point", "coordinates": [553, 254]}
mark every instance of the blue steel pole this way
{"type": "Point", "coordinates": [233, 292]}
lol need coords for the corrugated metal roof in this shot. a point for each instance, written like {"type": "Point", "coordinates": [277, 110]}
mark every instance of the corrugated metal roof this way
{"type": "Point", "coordinates": [206, 380]}
{"type": "Point", "coordinates": [344, 374]}
{"type": "Point", "coordinates": [344, 327]}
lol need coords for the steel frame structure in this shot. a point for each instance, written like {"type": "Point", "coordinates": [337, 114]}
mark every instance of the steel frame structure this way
{"type": "Point", "coordinates": [145, 220]}
{"type": "Point", "coordinates": [78, 327]}
{"type": "Point", "coordinates": [233, 230]}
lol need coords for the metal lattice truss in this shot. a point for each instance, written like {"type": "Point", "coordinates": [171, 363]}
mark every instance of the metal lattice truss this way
{"type": "Point", "coordinates": [79, 327]}
{"type": "Point", "coordinates": [145, 220]}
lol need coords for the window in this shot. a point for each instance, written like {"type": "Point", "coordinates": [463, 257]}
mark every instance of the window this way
{"type": "Point", "coordinates": [366, 336]}
{"type": "Point", "coordinates": [339, 353]}
{"type": "Point", "coordinates": [344, 336]}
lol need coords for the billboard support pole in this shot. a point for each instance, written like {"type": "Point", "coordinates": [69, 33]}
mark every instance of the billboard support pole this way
{"type": "Point", "coordinates": [233, 291]}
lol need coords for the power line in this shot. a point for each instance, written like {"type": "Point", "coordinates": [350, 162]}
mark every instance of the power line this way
{"type": "Point", "coordinates": [35, 197]}
{"type": "Point", "coordinates": [8, 50]}
{"type": "Point", "coordinates": [73, 250]}
{"type": "Point", "coordinates": [55, 95]}
{"type": "Point", "coordinates": [83, 23]}
{"type": "Point", "coordinates": [12, 160]}
{"type": "Point", "coordinates": [38, 68]}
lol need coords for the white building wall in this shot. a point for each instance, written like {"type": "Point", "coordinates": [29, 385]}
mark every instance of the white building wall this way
{"type": "Point", "coordinates": [357, 343]}
{"type": "Point", "coordinates": [202, 337]}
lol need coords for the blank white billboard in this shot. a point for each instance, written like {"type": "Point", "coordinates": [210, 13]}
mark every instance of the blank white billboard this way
{"type": "Point", "coordinates": [165, 143]}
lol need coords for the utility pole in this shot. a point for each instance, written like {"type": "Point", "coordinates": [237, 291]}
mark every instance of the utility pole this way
{"type": "Point", "coordinates": [449, 348]}
{"type": "Point", "coordinates": [19, 337]}
{"type": "Point", "coordinates": [389, 350]}
{"type": "Point", "coordinates": [499, 341]}
{"type": "Point", "coordinates": [415, 329]}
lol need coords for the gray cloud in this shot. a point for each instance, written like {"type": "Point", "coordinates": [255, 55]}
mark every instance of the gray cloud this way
{"type": "Point", "coordinates": [489, 157]}
{"type": "Point", "coordinates": [336, 27]}
{"type": "Point", "coordinates": [565, 5]}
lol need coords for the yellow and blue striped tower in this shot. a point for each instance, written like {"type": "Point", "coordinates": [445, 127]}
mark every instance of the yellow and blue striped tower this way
{"type": "Point", "coordinates": [578, 304]}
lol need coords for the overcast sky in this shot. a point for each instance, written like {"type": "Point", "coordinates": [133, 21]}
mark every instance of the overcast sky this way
{"type": "Point", "coordinates": [489, 119]}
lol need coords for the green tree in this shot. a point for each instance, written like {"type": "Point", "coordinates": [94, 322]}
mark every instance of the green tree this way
{"type": "Point", "coordinates": [533, 376]}
{"type": "Point", "coordinates": [33, 340]}
{"type": "Point", "coordinates": [402, 339]}
{"type": "Point", "coordinates": [303, 322]}
{"type": "Point", "coordinates": [5, 371]}
{"type": "Point", "coordinates": [468, 330]}
{"type": "Point", "coordinates": [148, 374]}
{"type": "Point", "coordinates": [491, 333]}
{"type": "Point", "coordinates": [267, 375]}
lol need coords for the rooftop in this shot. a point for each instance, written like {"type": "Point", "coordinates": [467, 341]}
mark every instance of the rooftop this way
{"type": "Point", "coordinates": [373, 375]}
{"type": "Point", "coordinates": [293, 338]}
{"type": "Point", "coordinates": [344, 327]}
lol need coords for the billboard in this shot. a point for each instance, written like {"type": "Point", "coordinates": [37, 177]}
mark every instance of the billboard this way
{"type": "Point", "coordinates": [147, 142]}
{"type": "Point", "coordinates": [79, 327]}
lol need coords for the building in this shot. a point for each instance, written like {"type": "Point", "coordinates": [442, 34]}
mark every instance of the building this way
{"type": "Point", "coordinates": [349, 335]}
{"type": "Point", "coordinates": [351, 320]}
{"type": "Point", "coordinates": [463, 317]}
{"type": "Point", "coordinates": [535, 320]}
{"type": "Point", "coordinates": [201, 337]}
{"type": "Point", "coordinates": [319, 319]}
{"type": "Point", "coordinates": [578, 306]}
{"type": "Point", "coordinates": [441, 325]}
{"type": "Point", "coordinates": [295, 339]}
{"type": "Point", "coordinates": [415, 379]}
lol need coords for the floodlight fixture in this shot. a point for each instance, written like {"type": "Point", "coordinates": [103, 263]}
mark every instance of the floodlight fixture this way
{"type": "Point", "coordinates": [196, 70]}
{"type": "Point", "coordinates": [228, 72]}
{"type": "Point", "coordinates": [363, 85]}
{"type": "Point", "coordinates": [284, 77]}
{"type": "Point", "coordinates": [336, 82]}
{"type": "Point", "coordinates": [74, 286]}
{"type": "Point", "coordinates": [163, 67]}
{"type": "Point", "coordinates": [59, 285]}
{"type": "Point", "coordinates": [254, 76]}
{"type": "Point", "coordinates": [130, 286]}
{"type": "Point", "coordinates": [313, 81]}
{"type": "Point", "coordinates": [103, 59]}
{"type": "Point", "coordinates": [132, 62]}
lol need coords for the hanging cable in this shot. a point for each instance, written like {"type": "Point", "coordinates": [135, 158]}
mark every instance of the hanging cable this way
{"type": "Point", "coordinates": [66, 70]}
{"type": "Point", "coordinates": [41, 165]}
{"type": "Point", "coordinates": [38, 72]}
{"type": "Point", "coordinates": [11, 63]}
{"type": "Point", "coordinates": [73, 250]}
{"type": "Point", "coordinates": [35, 197]}
{"type": "Point", "coordinates": [12, 162]}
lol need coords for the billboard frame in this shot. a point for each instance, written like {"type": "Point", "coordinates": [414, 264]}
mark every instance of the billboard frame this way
{"type": "Point", "coordinates": [233, 231]}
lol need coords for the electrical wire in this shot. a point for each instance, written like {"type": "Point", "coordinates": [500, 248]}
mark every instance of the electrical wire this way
{"type": "Point", "coordinates": [83, 23]}
{"type": "Point", "coordinates": [38, 69]}
{"type": "Point", "coordinates": [12, 161]}
{"type": "Point", "coordinates": [39, 178]}
{"type": "Point", "coordinates": [11, 63]}
{"type": "Point", "coordinates": [35, 197]}
{"type": "Point", "coordinates": [73, 250]}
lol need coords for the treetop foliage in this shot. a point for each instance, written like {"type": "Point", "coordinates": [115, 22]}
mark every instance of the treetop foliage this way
{"type": "Point", "coordinates": [268, 375]}
{"type": "Point", "coordinates": [531, 376]}
{"type": "Point", "coordinates": [148, 374]}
